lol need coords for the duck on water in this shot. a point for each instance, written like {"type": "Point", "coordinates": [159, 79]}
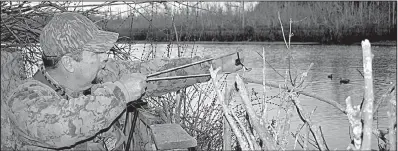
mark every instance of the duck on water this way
{"type": "Point", "coordinates": [342, 81]}
{"type": "Point", "coordinates": [330, 76]}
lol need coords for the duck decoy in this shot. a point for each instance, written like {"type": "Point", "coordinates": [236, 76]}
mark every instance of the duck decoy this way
{"type": "Point", "coordinates": [344, 81]}
{"type": "Point", "coordinates": [330, 76]}
{"type": "Point", "coordinates": [238, 62]}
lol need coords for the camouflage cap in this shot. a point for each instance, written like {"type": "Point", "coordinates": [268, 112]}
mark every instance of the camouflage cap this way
{"type": "Point", "coordinates": [68, 32]}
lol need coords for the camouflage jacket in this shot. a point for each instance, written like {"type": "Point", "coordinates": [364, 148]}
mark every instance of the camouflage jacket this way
{"type": "Point", "coordinates": [39, 117]}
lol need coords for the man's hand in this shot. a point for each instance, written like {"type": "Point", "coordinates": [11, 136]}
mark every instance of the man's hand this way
{"type": "Point", "coordinates": [134, 85]}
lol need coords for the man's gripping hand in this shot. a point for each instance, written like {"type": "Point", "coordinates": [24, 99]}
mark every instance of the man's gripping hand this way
{"type": "Point", "coordinates": [133, 85]}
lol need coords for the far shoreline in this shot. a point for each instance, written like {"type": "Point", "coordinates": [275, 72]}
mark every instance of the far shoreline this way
{"type": "Point", "coordinates": [379, 43]}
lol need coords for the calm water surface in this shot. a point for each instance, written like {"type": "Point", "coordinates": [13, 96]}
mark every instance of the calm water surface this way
{"type": "Point", "coordinates": [341, 61]}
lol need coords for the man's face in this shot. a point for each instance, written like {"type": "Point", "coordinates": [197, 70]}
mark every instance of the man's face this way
{"type": "Point", "coordinates": [91, 64]}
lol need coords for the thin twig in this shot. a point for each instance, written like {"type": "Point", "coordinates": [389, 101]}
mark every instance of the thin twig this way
{"type": "Point", "coordinates": [385, 96]}
{"type": "Point", "coordinates": [360, 73]}
{"type": "Point", "coordinates": [314, 130]}
{"type": "Point", "coordinates": [112, 3]}
{"type": "Point", "coordinates": [96, 6]}
{"type": "Point", "coordinates": [57, 6]}
{"type": "Point", "coordinates": [283, 33]}
{"type": "Point", "coordinates": [290, 32]}
{"type": "Point", "coordinates": [311, 142]}
{"type": "Point", "coordinates": [323, 138]}
{"type": "Point", "coordinates": [296, 140]}
{"type": "Point", "coordinates": [13, 33]}
{"type": "Point", "coordinates": [287, 46]}
{"type": "Point", "coordinates": [304, 75]}
{"type": "Point", "coordinates": [310, 94]}
{"type": "Point", "coordinates": [270, 64]}
{"type": "Point", "coordinates": [195, 7]}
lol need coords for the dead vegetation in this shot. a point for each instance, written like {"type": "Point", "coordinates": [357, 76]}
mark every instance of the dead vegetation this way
{"type": "Point", "coordinates": [21, 24]}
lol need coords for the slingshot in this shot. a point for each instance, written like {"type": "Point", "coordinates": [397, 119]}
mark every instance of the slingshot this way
{"type": "Point", "coordinates": [237, 62]}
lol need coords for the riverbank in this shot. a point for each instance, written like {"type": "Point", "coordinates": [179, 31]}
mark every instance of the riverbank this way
{"type": "Point", "coordinates": [380, 43]}
{"type": "Point", "coordinates": [325, 22]}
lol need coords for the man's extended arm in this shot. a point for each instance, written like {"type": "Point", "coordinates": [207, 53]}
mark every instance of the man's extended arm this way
{"type": "Point", "coordinates": [115, 68]}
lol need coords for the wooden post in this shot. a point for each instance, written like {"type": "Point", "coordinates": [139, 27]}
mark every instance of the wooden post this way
{"type": "Point", "coordinates": [367, 108]}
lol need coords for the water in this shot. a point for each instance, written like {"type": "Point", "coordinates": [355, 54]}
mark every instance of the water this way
{"type": "Point", "coordinates": [341, 61]}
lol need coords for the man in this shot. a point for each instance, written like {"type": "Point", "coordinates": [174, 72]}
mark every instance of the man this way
{"type": "Point", "coordinates": [11, 70]}
{"type": "Point", "coordinates": [79, 91]}
{"type": "Point", "coordinates": [11, 76]}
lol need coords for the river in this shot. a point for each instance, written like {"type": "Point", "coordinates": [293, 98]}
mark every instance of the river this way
{"type": "Point", "coordinates": [341, 61]}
